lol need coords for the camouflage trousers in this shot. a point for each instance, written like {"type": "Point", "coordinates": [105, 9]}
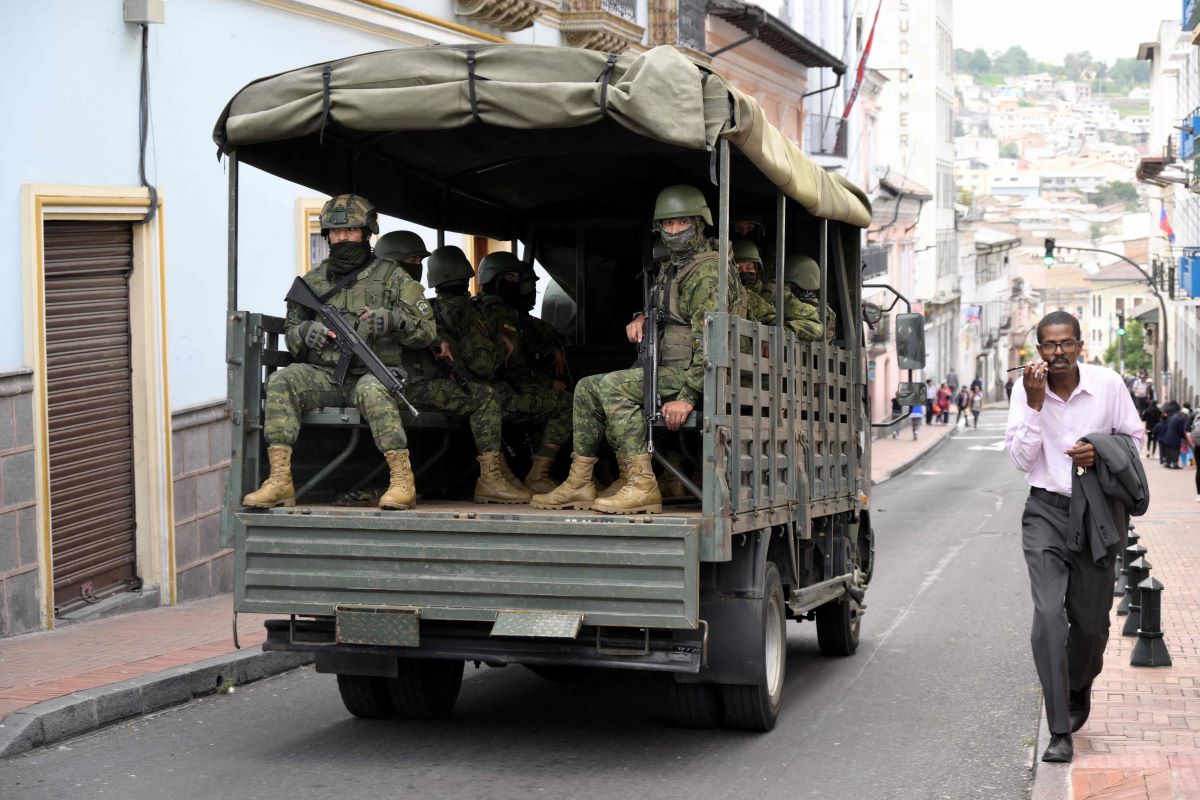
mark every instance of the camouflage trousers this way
{"type": "Point", "coordinates": [480, 406]}
{"type": "Point", "coordinates": [610, 406]}
{"type": "Point", "coordinates": [533, 404]}
{"type": "Point", "coordinates": [297, 388]}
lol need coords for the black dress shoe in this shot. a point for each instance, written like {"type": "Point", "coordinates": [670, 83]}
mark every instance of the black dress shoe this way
{"type": "Point", "coordinates": [1079, 707]}
{"type": "Point", "coordinates": [1060, 749]}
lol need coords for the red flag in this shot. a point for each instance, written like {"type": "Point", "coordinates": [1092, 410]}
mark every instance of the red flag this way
{"type": "Point", "coordinates": [862, 63]}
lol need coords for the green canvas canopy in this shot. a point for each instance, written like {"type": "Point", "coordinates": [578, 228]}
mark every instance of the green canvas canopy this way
{"type": "Point", "coordinates": [484, 138]}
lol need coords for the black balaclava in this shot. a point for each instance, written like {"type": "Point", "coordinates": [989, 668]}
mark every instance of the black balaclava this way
{"type": "Point", "coordinates": [453, 288]}
{"type": "Point", "coordinates": [685, 244]}
{"type": "Point", "coordinates": [346, 256]}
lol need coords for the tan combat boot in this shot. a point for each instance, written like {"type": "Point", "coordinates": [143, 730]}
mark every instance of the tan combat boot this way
{"type": "Point", "coordinates": [577, 491]}
{"type": "Point", "coordinates": [493, 487]}
{"type": "Point", "coordinates": [639, 494]}
{"type": "Point", "coordinates": [402, 489]}
{"type": "Point", "coordinates": [277, 489]}
{"type": "Point", "coordinates": [538, 480]}
{"type": "Point", "coordinates": [622, 477]}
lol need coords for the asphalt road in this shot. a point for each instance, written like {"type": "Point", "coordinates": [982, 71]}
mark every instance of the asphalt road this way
{"type": "Point", "coordinates": [939, 702]}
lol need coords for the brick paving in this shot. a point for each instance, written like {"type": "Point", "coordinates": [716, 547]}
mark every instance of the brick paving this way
{"type": "Point", "coordinates": [42, 666]}
{"type": "Point", "coordinates": [1143, 737]}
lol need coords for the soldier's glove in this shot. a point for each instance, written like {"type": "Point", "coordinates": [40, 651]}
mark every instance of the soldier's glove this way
{"type": "Point", "coordinates": [316, 335]}
{"type": "Point", "coordinates": [377, 321]}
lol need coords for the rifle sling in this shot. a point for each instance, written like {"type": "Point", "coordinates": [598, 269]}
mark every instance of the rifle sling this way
{"type": "Point", "coordinates": [347, 279]}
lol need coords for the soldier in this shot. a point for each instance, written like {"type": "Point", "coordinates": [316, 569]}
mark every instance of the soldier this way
{"type": "Point", "coordinates": [543, 343]}
{"type": "Point", "coordinates": [802, 275]}
{"type": "Point", "coordinates": [405, 247]}
{"type": "Point", "coordinates": [526, 397]}
{"type": "Point", "coordinates": [393, 315]}
{"type": "Point", "coordinates": [466, 344]}
{"type": "Point", "coordinates": [800, 318]}
{"type": "Point", "coordinates": [611, 405]}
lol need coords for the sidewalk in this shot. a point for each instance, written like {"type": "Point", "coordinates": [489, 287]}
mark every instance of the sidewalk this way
{"type": "Point", "coordinates": [1143, 737]}
{"type": "Point", "coordinates": [890, 457]}
{"type": "Point", "coordinates": [80, 677]}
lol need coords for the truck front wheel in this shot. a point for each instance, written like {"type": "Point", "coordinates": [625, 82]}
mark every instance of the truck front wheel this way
{"type": "Point", "coordinates": [425, 688]}
{"type": "Point", "coordinates": [756, 707]}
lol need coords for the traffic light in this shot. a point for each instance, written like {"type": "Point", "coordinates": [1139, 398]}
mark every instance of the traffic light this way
{"type": "Point", "coordinates": [1120, 323]}
{"type": "Point", "coordinates": [1049, 259]}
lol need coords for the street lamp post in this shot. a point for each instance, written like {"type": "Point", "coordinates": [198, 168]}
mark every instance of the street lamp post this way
{"type": "Point", "coordinates": [1162, 305]}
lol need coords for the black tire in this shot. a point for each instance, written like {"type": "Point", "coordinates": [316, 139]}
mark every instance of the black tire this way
{"type": "Point", "coordinates": [756, 707]}
{"type": "Point", "coordinates": [838, 623]}
{"type": "Point", "coordinates": [425, 688]}
{"type": "Point", "coordinates": [561, 673]}
{"type": "Point", "coordinates": [694, 705]}
{"type": "Point", "coordinates": [366, 697]}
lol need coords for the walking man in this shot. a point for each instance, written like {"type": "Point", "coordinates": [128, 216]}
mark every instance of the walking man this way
{"type": "Point", "coordinates": [1057, 403]}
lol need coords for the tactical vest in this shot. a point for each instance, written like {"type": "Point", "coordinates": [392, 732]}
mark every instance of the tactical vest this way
{"type": "Point", "coordinates": [675, 342]}
{"type": "Point", "coordinates": [370, 288]}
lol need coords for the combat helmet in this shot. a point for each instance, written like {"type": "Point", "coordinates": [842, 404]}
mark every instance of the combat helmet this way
{"type": "Point", "coordinates": [681, 200]}
{"type": "Point", "coordinates": [753, 217]}
{"type": "Point", "coordinates": [349, 211]}
{"type": "Point", "coordinates": [802, 271]}
{"type": "Point", "coordinates": [448, 264]}
{"type": "Point", "coordinates": [400, 244]}
{"type": "Point", "coordinates": [746, 250]}
{"type": "Point", "coordinates": [495, 263]}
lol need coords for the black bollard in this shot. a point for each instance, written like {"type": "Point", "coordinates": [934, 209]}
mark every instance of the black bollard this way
{"type": "Point", "coordinates": [1138, 571]}
{"type": "Point", "coordinates": [1132, 553]}
{"type": "Point", "coordinates": [1122, 575]}
{"type": "Point", "coordinates": [1150, 649]}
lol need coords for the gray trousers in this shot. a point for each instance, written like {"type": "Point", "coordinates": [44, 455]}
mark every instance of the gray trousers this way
{"type": "Point", "coordinates": [1072, 598]}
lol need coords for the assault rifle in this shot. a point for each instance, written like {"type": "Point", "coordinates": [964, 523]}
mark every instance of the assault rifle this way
{"type": "Point", "coordinates": [351, 345]}
{"type": "Point", "coordinates": [648, 358]}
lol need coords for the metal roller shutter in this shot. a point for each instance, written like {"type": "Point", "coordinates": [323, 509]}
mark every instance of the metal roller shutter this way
{"type": "Point", "coordinates": [90, 398]}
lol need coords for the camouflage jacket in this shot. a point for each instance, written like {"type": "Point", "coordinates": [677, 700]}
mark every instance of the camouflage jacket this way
{"type": "Point", "coordinates": [540, 339]}
{"type": "Point", "coordinates": [383, 284]}
{"type": "Point", "coordinates": [830, 318]}
{"type": "Point", "coordinates": [798, 316]}
{"type": "Point", "coordinates": [504, 320]}
{"type": "Point", "coordinates": [757, 306]}
{"type": "Point", "coordinates": [693, 295]}
{"type": "Point", "coordinates": [475, 349]}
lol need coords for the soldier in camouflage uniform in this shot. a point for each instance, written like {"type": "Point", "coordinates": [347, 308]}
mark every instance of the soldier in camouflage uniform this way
{"type": "Point", "coordinates": [405, 247]}
{"type": "Point", "coordinates": [392, 314]}
{"type": "Point", "coordinates": [802, 276]}
{"type": "Point", "coordinates": [527, 396]}
{"type": "Point", "coordinates": [466, 343]}
{"type": "Point", "coordinates": [611, 405]}
{"type": "Point", "coordinates": [799, 318]}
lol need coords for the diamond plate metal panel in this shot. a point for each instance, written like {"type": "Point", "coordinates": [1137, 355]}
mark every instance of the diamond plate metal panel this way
{"type": "Point", "coordinates": [397, 627]}
{"type": "Point", "coordinates": [537, 625]}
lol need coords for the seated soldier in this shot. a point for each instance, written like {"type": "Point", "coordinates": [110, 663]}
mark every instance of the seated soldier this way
{"type": "Point", "coordinates": [745, 255]}
{"type": "Point", "coordinates": [433, 387]}
{"type": "Point", "coordinates": [405, 247]}
{"type": "Point", "coordinates": [393, 315]}
{"type": "Point", "coordinates": [611, 405]}
{"type": "Point", "coordinates": [802, 276]}
{"type": "Point", "coordinates": [526, 398]}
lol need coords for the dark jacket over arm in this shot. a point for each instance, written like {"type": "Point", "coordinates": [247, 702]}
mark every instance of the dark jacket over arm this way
{"type": "Point", "coordinates": [1106, 495]}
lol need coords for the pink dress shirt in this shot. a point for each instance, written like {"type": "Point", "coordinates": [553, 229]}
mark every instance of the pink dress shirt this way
{"type": "Point", "coordinates": [1037, 441]}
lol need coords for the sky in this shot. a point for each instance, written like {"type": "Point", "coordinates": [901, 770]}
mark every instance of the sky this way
{"type": "Point", "coordinates": [1049, 29]}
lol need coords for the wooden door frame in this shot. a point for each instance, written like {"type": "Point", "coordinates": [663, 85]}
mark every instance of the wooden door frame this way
{"type": "Point", "coordinates": [153, 495]}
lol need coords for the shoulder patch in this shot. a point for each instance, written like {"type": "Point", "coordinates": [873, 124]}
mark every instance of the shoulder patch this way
{"type": "Point", "coordinates": [423, 308]}
{"type": "Point", "coordinates": [509, 328]}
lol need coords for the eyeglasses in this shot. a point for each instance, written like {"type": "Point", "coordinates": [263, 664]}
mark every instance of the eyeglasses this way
{"type": "Point", "coordinates": [1054, 347]}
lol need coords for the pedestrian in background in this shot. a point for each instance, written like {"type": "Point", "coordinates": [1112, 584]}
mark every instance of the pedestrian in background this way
{"type": "Point", "coordinates": [1071, 576]}
{"type": "Point", "coordinates": [952, 382]}
{"type": "Point", "coordinates": [1008, 384]}
{"type": "Point", "coordinates": [976, 407]}
{"type": "Point", "coordinates": [1171, 439]}
{"type": "Point", "coordinates": [930, 400]}
{"type": "Point", "coordinates": [963, 401]}
{"type": "Point", "coordinates": [1194, 436]}
{"type": "Point", "coordinates": [944, 396]}
{"type": "Point", "coordinates": [1151, 416]}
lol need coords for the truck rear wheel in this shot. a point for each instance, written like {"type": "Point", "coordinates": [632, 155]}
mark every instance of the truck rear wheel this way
{"type": "Point", "coordinates": [425, 688]}
{"type": "Point", "coordinates": [756, 707]}
{"type": "Point", "coordinates": [694, 705]}
{"type": "Point", "coordinates": [365, 696]}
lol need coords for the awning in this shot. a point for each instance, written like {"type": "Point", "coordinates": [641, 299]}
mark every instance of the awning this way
{"type": "Point", "coordinates": [775, 34]}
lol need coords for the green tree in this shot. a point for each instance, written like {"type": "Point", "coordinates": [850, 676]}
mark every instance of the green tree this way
{"type": "Point", "coordinates": [1075, 64]}
{"type": "Point", "coordinates": [1009, 150]}
{"type": "Point", "coordinates": [1130, 72]}
{"type": "Point", "coordinates": [1115, 192]}
{"type": "Point", "coordinates": [1136, 356]}
{"type": "Point", "coordinates": [1013, 61]}
{"type": "Point", "coordinates": [962, 60]}
{"type": "Point", "coordinates": [978, 62]}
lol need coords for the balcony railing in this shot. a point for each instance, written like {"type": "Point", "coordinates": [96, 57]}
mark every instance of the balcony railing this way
{"type": "Point", "coordinates": [875, 262]}
{"type": "Point", "coordinates": [825, 135]}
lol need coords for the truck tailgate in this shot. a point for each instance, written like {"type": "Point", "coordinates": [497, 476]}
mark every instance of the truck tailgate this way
{"type": "Point", "coordinates": [471, 565]}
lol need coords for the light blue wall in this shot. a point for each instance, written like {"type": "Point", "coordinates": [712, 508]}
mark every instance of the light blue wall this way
{"type": "Point", "coordinates": [72, 92]}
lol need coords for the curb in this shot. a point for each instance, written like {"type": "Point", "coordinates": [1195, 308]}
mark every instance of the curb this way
{"type": "Point", "coordinates": [87, 711]}
{"type": "Point", "coordinates": [912, 462]}
{"type": "Point", "coordinates": [1050, 781]}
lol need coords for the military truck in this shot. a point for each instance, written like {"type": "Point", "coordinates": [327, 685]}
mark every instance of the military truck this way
{"type": "Point", "coordinates": [561, 152]}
